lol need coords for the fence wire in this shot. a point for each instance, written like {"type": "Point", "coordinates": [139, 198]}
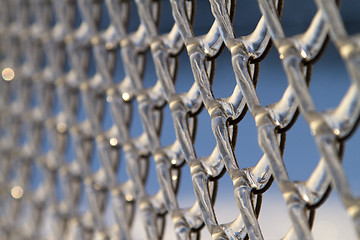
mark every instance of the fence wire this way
{"type": "Point", "coordinates": [55, 100]}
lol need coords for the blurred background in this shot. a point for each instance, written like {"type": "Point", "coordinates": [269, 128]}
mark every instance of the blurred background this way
{"type": "Point", "coordinates": [329, 83]}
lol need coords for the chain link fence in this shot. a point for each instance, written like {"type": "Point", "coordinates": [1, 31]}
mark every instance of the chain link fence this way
{"type": "Point", "coordinates": [77, 74]}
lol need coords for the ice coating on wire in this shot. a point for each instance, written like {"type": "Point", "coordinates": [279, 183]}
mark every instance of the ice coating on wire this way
{"type": "Point", "coordinates": [49, 50]}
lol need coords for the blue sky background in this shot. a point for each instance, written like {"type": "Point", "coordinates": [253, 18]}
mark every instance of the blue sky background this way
{"type": "Point", "coordinates": [329, 83]}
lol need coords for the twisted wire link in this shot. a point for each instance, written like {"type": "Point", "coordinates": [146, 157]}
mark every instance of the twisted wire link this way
{"type": "Point", "coordinates": [65, 56]}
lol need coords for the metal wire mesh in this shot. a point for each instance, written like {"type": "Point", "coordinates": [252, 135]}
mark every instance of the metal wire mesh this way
{"type": "Point", "coordinates": [55, 98]}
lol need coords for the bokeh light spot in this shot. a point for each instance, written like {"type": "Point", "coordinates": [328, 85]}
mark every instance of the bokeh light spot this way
{"type": "Point", "coordinates": [17, 192]}
{"type": "Point", "coordinates": [113, 142]}
{"type": "Point", "coordinates": [8, 74]}
{"type": "Point", "coordinates": [126, 96]}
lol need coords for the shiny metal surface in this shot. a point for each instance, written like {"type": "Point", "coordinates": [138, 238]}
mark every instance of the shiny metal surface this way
{"type": "Point", "coordinates": [54, 97]}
